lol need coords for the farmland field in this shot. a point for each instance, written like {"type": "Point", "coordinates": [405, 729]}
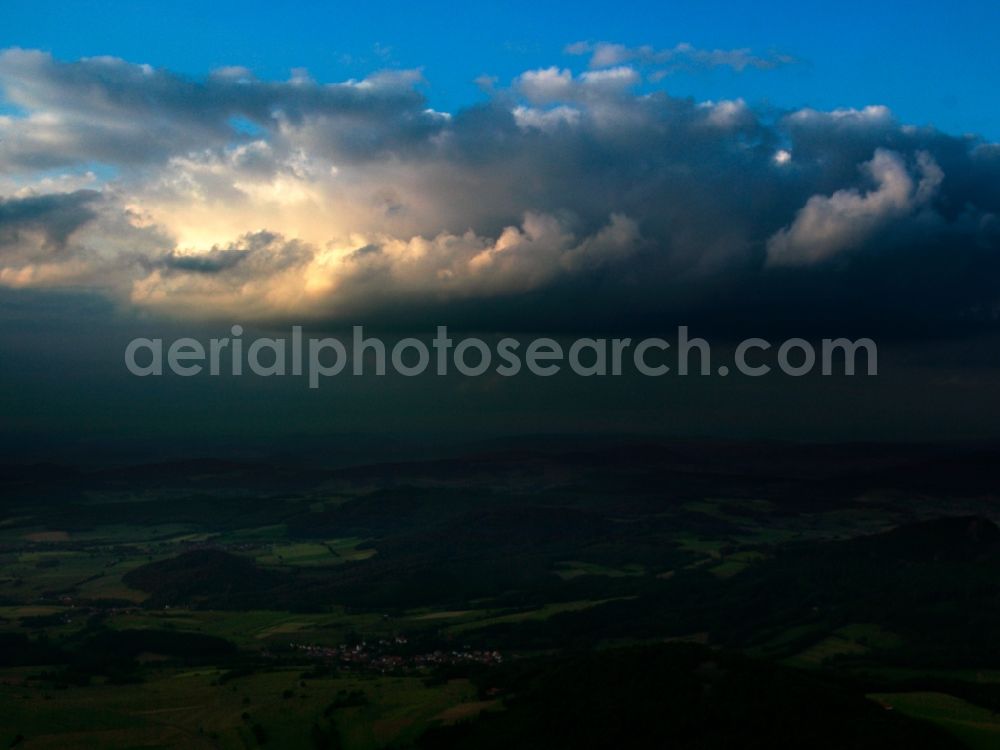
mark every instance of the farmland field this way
{"type": "Point", "coordinates": [404, 607]}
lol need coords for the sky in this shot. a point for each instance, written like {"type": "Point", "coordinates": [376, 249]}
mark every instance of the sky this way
{"type": "Point", "coordinates": [930, 63]}
{"type": "Point", "coordinates": [773, 170]}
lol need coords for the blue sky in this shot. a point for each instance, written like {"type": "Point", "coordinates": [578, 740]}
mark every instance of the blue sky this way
{"type": "Point", "coordinates": [931, 63]}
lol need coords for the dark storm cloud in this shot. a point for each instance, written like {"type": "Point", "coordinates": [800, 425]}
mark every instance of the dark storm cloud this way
{"type": "Point", "coordinates": [566, 199]}
{"type": "Point", "coordinates": [106, 109]}
{"type": "Point", "coordinates": [54, 217]}
{"type": "Point", "coordinates": [36, 232]}
{"type": "Point", "coordinates": [252, 256]}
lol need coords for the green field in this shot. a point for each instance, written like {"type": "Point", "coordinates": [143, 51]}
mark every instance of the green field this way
{"type": "Point", "coordinates": [191, 709]}
{"type": "Point", "coordinates": [977, 727]}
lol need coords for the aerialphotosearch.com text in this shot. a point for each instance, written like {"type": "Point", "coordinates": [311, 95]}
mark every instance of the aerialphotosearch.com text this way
{"type": "Point", "coordinates": [318, 358]}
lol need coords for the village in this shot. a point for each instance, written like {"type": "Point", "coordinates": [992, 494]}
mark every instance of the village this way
{"type": "Point", "coordinates": [384, 656]}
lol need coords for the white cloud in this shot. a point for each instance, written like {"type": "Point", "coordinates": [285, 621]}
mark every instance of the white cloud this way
{"type": "Point", "coordinates": [546, 84]}
{"type": "Point", "coordinates": [829, 225]}
{"type": "Point", "coordinates": [871, 115]}
{"type": "Point", "coordinates": [610, 79]}
{"type": "Point", "coordinates": [728, 113]}
{"type": "Point", "coordinates": [265, 275]}
{"type": "Point", "coordinates": [678, 57]}
{"type": "Point", "coordinates": [545, 119]}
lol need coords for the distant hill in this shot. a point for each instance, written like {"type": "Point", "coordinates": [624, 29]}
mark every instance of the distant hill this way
{"type": "Point", "coordinates": [953, 539]}
{"type": "Point", "coordinates": [207, 574]}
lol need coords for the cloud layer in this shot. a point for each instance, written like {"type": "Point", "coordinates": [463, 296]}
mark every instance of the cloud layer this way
{"type": "Point", "coordinates": [563, 197]}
